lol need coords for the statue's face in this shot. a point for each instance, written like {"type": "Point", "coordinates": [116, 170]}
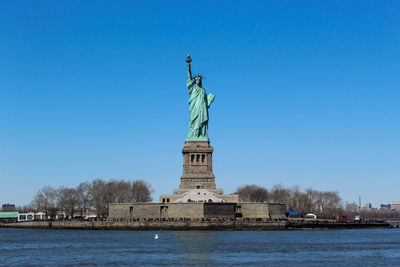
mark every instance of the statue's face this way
{"type": "Point", "coordinates": [198, 80]}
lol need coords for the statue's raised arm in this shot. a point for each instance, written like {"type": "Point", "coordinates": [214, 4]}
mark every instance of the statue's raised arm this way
{"type": "Point", "coordinates": [188, 60]}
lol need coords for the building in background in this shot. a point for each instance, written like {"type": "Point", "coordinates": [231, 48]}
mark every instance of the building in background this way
{"type": "Point", "coordinates": [368, 206]}
{"type": "Point", "coordinates": [386, 206]}
{"type": "Point", "coordinates": [396, 205]}
{"type": "Point", "coordinates": [352, 207]}
{"type": "Point", "coordinates": [31, 216]}
{"type": "Point", "coordinates": [8, 207]}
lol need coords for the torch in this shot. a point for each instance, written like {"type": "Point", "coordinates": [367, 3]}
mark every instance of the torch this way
{"type": "Point", "coordinates": [188, 59]}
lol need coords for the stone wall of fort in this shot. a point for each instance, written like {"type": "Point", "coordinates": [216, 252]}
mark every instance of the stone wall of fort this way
{"type": "Point", "coordinates": [276, 210]}
{"type": "Point", "coordinates": [196, 210]}
{"type": "Point", "coordinates": [254, 210]}
{"type": "Point", "coordinates": [184, 210]}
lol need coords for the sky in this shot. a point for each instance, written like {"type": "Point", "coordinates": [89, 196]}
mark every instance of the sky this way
{"type": "Point", "coordinates": [307, 93]}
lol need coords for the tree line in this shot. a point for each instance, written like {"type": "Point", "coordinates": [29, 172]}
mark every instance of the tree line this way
{"type": "Point", "coordinates": [96, 195]}
{"type": "Point", "coordinates": [322, 203]}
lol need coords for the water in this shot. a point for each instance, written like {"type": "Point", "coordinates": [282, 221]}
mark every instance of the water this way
{"type": "Point", "coordinates": [369, 247]}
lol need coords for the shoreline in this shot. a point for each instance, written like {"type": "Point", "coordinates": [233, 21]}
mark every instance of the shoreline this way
{"type": "Point", "coordinates": [191, 226]}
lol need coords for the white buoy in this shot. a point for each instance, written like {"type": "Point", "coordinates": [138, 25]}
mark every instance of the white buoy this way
{"type": "Point", "coordinates": [156, 237]}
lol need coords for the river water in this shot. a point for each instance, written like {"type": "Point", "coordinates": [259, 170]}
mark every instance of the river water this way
{"type": "Point", "coordinates": [366, 247]}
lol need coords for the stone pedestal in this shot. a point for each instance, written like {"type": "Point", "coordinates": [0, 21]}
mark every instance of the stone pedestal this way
{"type": "Point", "coordinates": [197, 166]}
{"type": "Point", "coordinates": [198, 179]}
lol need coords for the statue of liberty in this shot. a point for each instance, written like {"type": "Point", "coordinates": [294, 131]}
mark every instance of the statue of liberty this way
{"type": "Point", "coordinates": [199, 103]}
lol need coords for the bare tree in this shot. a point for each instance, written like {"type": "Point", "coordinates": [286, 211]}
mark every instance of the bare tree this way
{"type": "Point", "coordinates": [333, 204]}
{"type": "Point", "coordinates": [99, 201]}
{"type": "Point", "coordinates": [67, 200]}
{"type": "Point", "coordinates": [297, 200]}
{"type": "Point", "coordinates": [98, 194]}
{"type": "Point", "coordinates": [45, 200]}
{"type": "Point", "coordinates": [111, 192]}
{"type": "Point", "coordinates": [141, 191]}
{"type": "Point", "coordinates": [324, 204]}
{"type": "Point", "coordinates": [117, 191]}
{"type": "Point", "coordinates": [84, 196]}
{"type": "Point", "coordinates": [280, 194]}
{"type": "Point", "coordinates": [123, 191]}
{"type": "Point", "coordinates": [291, 198]}
{"type": "Point", "coordinates": [110, 195]}
{"type": "Point", "coordinates": [38, 202]}
{"type": "Point", "coordinates": [252, 193]}
{"type": "Point", "coordinates": [304, 204]}
{"type": "Point", "coordinates": [312, 196]}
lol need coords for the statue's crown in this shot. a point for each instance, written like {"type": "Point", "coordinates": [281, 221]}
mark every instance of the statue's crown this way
{"type": "Point", "coordinates": [201, 76]}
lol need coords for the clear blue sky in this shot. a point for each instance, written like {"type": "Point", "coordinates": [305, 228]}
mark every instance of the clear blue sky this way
{"type": "Point", "coordinates": [307, 93]}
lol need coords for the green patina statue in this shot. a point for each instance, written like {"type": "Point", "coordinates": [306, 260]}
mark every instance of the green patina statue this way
{"type": "Point", "coordinates": [199, 103]}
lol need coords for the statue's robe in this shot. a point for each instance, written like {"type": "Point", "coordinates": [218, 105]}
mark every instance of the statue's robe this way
{"type": "Point", "coordinates": [199, 103]}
